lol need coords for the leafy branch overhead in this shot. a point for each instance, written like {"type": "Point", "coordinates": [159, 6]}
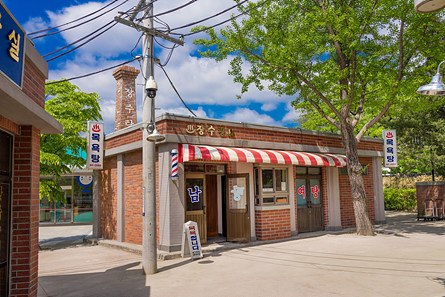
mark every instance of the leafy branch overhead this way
{"type": "Point", "coordinates": [61, 153]}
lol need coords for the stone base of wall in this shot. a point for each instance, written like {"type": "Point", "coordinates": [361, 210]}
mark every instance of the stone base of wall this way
{"type": "Point", "coordinates": [272, 224]}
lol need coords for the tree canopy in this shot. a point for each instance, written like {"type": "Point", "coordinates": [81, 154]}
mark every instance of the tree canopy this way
{"type": "Point", "coordinates": [61, 153]}
{"type": "Point", "coordinates": [346, 63]}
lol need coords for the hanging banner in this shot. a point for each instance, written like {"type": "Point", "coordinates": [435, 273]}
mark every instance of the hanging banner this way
{"type": "Point", "coordinates": [390, 148]}
{"type": "Point", "coordinates": [190, 233]}
{"type": "Point", "coordinates": [95, 145]}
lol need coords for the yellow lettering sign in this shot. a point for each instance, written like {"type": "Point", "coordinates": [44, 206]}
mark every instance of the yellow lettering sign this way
{"type": "Point", "coordinates": [190, 129]}
{"type": "Point", "coordinates": [15, 45]}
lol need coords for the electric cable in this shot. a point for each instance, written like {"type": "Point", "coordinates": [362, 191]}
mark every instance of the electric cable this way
{"type": "Point", "coordinates": [208, 18]}
{"type": "Point", "coordinates": [167, 11]}
{"type": "Point", "coordinates": [228, 20]}
{"type": "Point", "coordinates": [75, 26]}
{"type": "Point", "coordinates": [92, 73]}
{"type": "Point", "coordinates": [174, 88]}
{"type": "Point", "coordinates": [82, 44]}
{"type": "Point", "coordinates": [73, 21]}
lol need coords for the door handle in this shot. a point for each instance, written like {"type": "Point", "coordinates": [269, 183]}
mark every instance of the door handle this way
{"type": "Point", "coordinates": [247, 209]}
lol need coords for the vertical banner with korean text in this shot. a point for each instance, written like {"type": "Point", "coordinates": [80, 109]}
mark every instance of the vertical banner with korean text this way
{"type": "Point", "coordinates": [95, 145]}
{"type": "Point", "coordinates": [390, 148]}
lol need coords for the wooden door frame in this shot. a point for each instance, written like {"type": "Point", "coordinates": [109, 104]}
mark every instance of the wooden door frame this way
{"type": "Point", "coordinates": [202, 235]}
{"type": "Point", "coordinates": [307, 178]}
{"type": "Point", "coordinates": [247, 230]}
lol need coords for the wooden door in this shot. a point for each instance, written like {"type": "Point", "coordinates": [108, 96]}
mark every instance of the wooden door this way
{"type": "Point", "coordinates": [211, 210]}
{"type": "Point", "coordinates": [238, 216]}
{"type": "Point", "coordinates": [5, 207]}
{"type": "Point", "coordinates": [195, 203]}
{"type": "Point", "coordinates": [309, 204]}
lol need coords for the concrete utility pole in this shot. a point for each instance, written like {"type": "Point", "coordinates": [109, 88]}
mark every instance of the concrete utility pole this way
{"type": "Point", "coordinates": [149, 236]}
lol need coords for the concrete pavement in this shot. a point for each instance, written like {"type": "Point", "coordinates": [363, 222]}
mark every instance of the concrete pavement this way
{"type": "Point", "coordinates": [406, 258]}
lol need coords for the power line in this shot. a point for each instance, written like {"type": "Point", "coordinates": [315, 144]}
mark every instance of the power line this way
{"type": "Point", "coordinates": [73, 21]}
{"type": "Point", "coordinates": [210, 17]}
{"type": "Point", "coordinates": [167, 11]}
{"type": "Point", "coordinates": [174, 88]}
{"type": "Point", "coordinates": [92, 73]}
{"type": "Point", "coordinates": [87, 21]}
{"type": "Point", "coordinates": [82, 44]}
{"type": "Point", "coordinates": [228, 20]}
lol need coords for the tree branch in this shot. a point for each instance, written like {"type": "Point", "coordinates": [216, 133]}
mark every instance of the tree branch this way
{"type": "Point", "coordinates": [372, 122]}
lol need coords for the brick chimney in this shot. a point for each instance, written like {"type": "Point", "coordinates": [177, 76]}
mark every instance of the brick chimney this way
{"type": "Point", "coordinates": [125, 115]}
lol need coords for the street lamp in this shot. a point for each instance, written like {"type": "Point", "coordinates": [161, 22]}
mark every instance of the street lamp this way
{"type": "Point", "coordinates": [428, 6]}
{"type": "Point", "coordinates": [435, 87]}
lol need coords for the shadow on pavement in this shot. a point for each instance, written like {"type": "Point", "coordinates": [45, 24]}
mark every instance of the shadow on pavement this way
{"type": "Point", "coordinates": [117, 281]}
{"type": "Point", "coordinates": [399, 223]}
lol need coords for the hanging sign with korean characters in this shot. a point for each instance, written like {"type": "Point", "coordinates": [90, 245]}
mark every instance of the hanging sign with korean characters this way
{"type": "Point", "coordinates": [95, 145]}
{"type": "Point", "coordinates": [12, 38]}
{"type": "Point", "coordinates": [390, 148]}
{"type": "Point", "coordinates": [190, 233]}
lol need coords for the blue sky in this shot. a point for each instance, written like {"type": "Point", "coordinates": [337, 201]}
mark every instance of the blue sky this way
{"type": "Point", "coordinates": [204, 84]}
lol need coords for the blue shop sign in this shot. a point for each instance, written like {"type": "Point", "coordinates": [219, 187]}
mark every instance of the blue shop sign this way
{"type": "Point", "coordinates": [12, 38]}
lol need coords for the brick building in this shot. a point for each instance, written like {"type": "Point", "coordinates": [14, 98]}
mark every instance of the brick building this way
{"type": "Point", "coordinates": [238, 181]}
{"type": "Point", "coordinates": [22, 119]}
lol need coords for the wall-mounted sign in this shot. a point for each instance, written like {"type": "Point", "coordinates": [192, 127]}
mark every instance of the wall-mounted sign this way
{"type": "Point", "coordinates": [190, 230]}
{"type": "Point", "coordinates": [390, 148]}
{"type": "Point", "coordinates": [237, 192]}
{"type": "Point", "coordinates": [95, 145]}
{"type": "Point", "coordinates": [85, 181]}
{"type": "Point", "coordinates": [194, 195]}
{"type": "Point", "coordinates": [12, 44]}
{"type": "Point", "coordinates": [209, 130]}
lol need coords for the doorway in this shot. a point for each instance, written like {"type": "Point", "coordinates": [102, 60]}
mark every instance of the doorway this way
{"type": "Point", "coordinates": [309, 199]}
{"type": "Point", "coordinates": [5, 210]}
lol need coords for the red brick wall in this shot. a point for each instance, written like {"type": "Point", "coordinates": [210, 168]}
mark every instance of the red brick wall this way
{"type": "Point", "coordinates": [133, 197]}
{"type": "Point", "coordinates": [25, 213]}
{"type": "Point", "coordinates": [272, 224]}
{"type": "Point", "coordinates": [124, 139]}
{"type": "Point", "coordinates": [180, 127]}
{"type": "Point", "coordinates": [109, 198]}
{"type": "Point", "coordinates": [9, 126]}
{"type": "Point", "coordinates": [34, 83]}
{"type": "Point", "coordinates": [346, 207]}
{"type": "Point", "coordinates": [125, 113]}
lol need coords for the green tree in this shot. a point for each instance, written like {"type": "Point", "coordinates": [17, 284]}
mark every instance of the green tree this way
{"type": "Point", "coordinates": [346, 63]}
{"type": "Point", "coordinates": [420, 139]}
{"type": "Point", "coordinates": [61, 153]}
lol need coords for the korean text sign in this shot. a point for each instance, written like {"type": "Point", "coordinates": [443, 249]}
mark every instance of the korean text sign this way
{"type": "Point", "coordinates": [190, 233]}
{"type": "Point", "coordinates": [390, 148]}
{"type": "Point", "coordinates": [12, 38]}
{"type": "Point", "coordinates": [95, 145]}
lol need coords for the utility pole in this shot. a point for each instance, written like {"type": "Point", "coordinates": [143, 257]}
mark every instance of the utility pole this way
{"type": "Point", "coordinates": [149, 235]}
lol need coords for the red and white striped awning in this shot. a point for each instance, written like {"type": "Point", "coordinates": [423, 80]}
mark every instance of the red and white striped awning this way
{"type": "Point", "coordinates": [188, 152]}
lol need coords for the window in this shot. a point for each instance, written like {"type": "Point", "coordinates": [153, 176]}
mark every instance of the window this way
{"type": "Point", "coordinates": [271, 186]}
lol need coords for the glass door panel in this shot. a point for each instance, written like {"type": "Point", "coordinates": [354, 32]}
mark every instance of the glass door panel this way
{"type": "Point", "coordinates": [300, 185]}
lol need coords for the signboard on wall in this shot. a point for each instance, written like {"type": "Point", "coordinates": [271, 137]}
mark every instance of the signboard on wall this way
{"type": "Point", "coordinates": [191, 235]}
{"type": "Point", "coordinates": [95, 145]}
{"type": "Point", "coordinates": [390, 148]}
{"type": "Point", "coordinates": [12, 43]}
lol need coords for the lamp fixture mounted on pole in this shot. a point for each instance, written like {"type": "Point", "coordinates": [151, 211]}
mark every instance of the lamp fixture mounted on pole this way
{"type": "Point", "coordinates": [435, 87]}
{"type": "Point", "coordinates": [428, 6]}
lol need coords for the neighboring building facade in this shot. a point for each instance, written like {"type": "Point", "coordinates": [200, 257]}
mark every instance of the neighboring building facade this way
{"type": "Point", "coordinates": [78, 208]}
{"type": "Point", "coordinates": [22, 119]}
{"type": "Point", "coordinates": [238, 181]}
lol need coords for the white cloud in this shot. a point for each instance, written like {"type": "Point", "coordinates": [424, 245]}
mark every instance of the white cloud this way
{"type": "Point", "coordinates": [249, 116]}
{"type": "Point", "coordinates": [292, 115]}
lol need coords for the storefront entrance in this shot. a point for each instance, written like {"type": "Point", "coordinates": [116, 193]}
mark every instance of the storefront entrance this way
{"type": "Point", "coordinates": [5, 206]}
{"type": "Point", "coordinates": [217, 202]}
{"type": "Point", "coordinates": [309, 199]}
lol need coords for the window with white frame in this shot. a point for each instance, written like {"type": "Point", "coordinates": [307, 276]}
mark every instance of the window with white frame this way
{"type": "Point", "coordinates": [271, 186]}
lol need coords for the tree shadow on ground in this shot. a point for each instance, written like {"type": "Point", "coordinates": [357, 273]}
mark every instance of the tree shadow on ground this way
{"type": "Point", "coordinates": [398, 223]}
{"type": "Point", "coordinates": [117, 281]}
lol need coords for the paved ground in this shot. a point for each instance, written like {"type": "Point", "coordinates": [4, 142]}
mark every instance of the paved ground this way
{"type": "Point", "coordinates": [59, 236]}
{"type": "Point", "coordinates": [407, 258]}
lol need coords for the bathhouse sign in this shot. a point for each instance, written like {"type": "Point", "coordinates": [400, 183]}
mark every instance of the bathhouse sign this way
{"type": "Point", "coordinates": [95, 147]}
{"type": "Point", "coordinates": [390, 148]}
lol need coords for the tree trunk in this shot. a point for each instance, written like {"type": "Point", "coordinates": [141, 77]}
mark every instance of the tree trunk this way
{"type": "Point", "coordinates": [362, 220]}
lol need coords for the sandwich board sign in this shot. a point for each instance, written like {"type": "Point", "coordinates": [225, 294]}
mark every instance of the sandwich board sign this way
{"type": "Point", "coordinates": [191, 235]}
